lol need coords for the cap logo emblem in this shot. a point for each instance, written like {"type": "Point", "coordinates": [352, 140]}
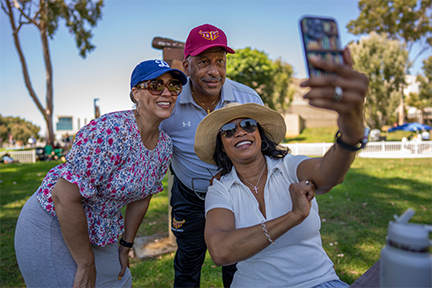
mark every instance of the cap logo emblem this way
{"type": "Point", "coordinates": [209, 35]}
{"type": "Point", "coordinates": [162, 63]}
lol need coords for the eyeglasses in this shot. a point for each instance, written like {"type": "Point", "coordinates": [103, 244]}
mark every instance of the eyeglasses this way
{"type": "Point", "coordinates": [228, 130]}
{"type": "Point", "coordinates": [157, 86]}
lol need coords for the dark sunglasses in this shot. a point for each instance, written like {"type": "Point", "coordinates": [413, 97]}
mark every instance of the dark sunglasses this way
{"type": "Point", "coordinates": [228, 130]}
{"type": "Point", "coordinates": [157, 86]}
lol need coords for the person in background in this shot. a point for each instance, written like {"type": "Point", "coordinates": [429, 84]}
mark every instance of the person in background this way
{"type": "Point", "coordinates": [262, 211]}
{"type": "Point", "coordinates": [207, 90]}
{"type": "Point", "coordinates": [67, 232]}
{"type": "Point", "coordinates": [7, 159]}
{"type": "Point", "coordinates": [67, 140]}
{"type": "Point", "coordinates": [32, 141]}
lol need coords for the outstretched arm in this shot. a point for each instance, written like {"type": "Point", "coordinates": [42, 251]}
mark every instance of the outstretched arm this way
{"type": "Point", "coordinates": [330, 170]}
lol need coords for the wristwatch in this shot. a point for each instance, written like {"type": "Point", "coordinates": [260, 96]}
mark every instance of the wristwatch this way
{"type": "Point", "coordinates": [125, 244]}
{"type": "Point", "coordinates": [360, 145]}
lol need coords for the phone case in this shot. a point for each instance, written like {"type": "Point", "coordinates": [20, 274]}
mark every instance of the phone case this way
{"type": "Point", "coordinates": [320, 38]}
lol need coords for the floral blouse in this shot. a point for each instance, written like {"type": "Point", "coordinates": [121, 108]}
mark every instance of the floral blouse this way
{"type": "Point", "coordinates": [112, 168]}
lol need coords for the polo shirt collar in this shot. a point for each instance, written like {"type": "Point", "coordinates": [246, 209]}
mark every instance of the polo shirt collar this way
{"type": "Point", "coordinates": [227, 92]}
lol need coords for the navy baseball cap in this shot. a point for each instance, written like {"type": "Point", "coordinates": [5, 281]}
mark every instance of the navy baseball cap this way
{"type": "Point", "coordinates": [151, 69]}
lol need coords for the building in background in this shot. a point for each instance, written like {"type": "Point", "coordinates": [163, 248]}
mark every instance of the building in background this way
{"type": "Point", "coordinates": [413, 113]}
{"type": "Point", "coordinates": [65, 127]}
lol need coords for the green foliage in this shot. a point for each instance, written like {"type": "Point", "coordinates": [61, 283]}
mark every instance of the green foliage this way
{"type": "Point", "coordinates": [269, 78]}
{"type": "Point", "coordinates": [78, 15]}
{"type": "Point", "coordinates": [407, 20]}
{"type": "Point", "coordinates": [250, 67]}
{"type": "Point", "coordinates": [426, 81]}
{"type": "Point", "coordinates": [383, 61]}
{"type": "Point", "coordinates": [20, 129]}
{"type": "Point", "coordinates": [423, 99]}
{"type": "Point", "coordinates": [283, 93]}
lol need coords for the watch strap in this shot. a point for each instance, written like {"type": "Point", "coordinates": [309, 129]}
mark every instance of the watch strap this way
{"type": "Point", "coordinates": [126, 244]}
{"type": "Point", "coordinates": [362, 143]}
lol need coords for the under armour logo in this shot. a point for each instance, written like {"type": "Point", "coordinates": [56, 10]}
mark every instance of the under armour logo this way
{"type": "Point", "coordinates": [209, 35]}
{"type": "Point", "coordinates": [186, 124]}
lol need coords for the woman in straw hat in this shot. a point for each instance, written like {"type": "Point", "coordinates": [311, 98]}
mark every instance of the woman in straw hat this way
{"type": "Point", "coordinates": [262, 213]}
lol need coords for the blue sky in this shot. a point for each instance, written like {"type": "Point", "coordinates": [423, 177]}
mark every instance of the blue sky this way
{"type": "Point", "coordinates": [123, 39]}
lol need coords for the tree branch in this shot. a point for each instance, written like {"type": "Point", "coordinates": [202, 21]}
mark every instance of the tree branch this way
{"type": "Point", "coordinates": [22, 60]}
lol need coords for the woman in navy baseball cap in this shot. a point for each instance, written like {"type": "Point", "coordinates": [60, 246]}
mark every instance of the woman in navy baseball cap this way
{"type": "Point", "coordinates": [67, 232]}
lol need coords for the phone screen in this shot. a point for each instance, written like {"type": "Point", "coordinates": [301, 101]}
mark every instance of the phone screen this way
{"type": "Point", "coordinates": [320, 38]}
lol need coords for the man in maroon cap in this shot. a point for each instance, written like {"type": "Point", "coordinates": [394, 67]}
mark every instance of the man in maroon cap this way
{"type": "Point", "coordinates": [207, 90]}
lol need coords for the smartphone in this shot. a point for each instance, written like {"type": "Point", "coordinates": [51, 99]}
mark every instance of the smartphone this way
{"type": "Point", "coordinates": [320, 38]}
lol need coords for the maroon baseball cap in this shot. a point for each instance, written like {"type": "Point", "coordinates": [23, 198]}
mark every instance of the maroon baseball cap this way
{"type": "Point", "coordinates": [204, 37]}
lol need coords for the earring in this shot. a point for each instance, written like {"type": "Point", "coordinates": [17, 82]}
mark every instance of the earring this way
{"type": "Point", "coordinates": [262, 142]}
{"type": "Point", "coordinates": [137, 106]}
{"type": "Point", "coordinates": [222, 158]}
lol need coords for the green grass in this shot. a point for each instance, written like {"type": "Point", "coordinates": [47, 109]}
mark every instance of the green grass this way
{"type": "Point", "coordinates": [314, 135]}
{"type": "Point", "coordinates": [18, 183]}
{"type": "Point", "coordinates": [355, 215]}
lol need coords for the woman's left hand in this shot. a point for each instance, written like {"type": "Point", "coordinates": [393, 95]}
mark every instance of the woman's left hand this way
{"type": "Point", "coordinates": [344, 94]}
{"type": "Point", "coordinates": [124, 259]}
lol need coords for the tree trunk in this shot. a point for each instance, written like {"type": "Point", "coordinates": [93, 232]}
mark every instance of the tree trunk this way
{"type": "Point", "coordinates": [49, 76]}
{"type": "Point", "coordinates": [401, 119]}
{"type": "Point", "coordinates": [26, 75]}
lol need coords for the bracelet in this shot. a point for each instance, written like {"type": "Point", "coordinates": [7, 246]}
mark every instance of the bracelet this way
{"type": "Point", "coordinates": [266, 233]}
{"type": "Point", "coordinates": [346, 146]}
{"type": "Point", "coordinates": [126, 244]}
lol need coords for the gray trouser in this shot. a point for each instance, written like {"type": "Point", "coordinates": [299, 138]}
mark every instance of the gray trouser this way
{"type": "Point", "coordinates": [44, 259]}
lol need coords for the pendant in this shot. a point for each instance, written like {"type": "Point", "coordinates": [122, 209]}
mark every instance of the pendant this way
{"type": "Point", "coordinates": [255, 189]}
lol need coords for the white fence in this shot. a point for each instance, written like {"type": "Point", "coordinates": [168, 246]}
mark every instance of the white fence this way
{"type": "Point", "coordinates": [381, 149]}
{"type": "Point", "coordinates": [26, 156]}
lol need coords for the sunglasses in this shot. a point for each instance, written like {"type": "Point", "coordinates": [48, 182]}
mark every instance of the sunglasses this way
{"type": "Point", "coordinates": [157, 86]}
{"type": "Point", "coordinates": [228, 130]}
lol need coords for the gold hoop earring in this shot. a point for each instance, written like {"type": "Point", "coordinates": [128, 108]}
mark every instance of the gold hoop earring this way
{"type": "Point", "coordinates": [262, 142]}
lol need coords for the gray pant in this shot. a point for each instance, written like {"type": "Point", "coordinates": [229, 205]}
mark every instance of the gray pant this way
{"type": "Point", "coordinates": [44, 259]}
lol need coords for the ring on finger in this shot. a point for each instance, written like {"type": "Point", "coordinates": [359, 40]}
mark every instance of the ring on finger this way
{"type": "Point", "coordinates": [307, 182]}
{"type": "Point", "coordinates": [338, 93]}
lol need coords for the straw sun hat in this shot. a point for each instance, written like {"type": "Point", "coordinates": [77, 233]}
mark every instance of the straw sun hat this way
{"type": "Point", "coordinates": [205, 138]}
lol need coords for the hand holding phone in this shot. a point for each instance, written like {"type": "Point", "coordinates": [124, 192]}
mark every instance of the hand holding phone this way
{"type": "Point", "coordinates": [320, 38]}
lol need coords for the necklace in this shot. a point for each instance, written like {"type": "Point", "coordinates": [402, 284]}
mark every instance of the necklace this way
{"type": "Point", "coordinates": [255, 188]}
{"type": "Point", "coordinates": [202, 104]}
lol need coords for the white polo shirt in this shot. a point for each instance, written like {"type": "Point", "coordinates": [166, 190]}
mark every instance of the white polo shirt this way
{"type": "Point", "coordinates": [297, 258]}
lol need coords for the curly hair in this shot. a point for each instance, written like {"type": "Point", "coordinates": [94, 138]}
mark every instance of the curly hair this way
{"type": "Point", "coordinates": [268, 148]}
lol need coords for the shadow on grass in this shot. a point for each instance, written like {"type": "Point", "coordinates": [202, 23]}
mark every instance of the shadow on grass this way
{"type": "Point", "coordinates": [295, 139]}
